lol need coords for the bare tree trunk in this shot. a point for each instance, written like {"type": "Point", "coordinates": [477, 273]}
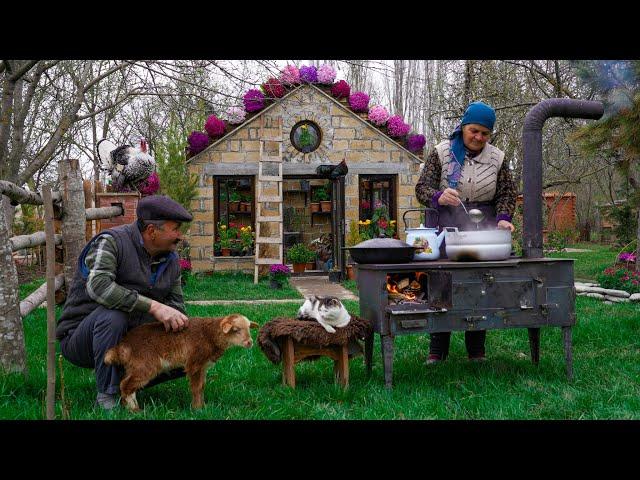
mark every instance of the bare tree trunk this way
{"type": "Point", "coordinates": [12, 349]}
{"type": "Point", "coordinates": [74, 219]}
{"type": "Point", "coordinates": [468, 77]}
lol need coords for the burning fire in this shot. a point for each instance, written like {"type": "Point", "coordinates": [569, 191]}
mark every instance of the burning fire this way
{"type": "Point", "coordinates": [392, 287]}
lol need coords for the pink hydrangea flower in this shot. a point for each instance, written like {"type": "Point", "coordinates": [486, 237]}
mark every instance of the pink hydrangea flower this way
{"type": "Point", "coordinates": [378, 115]}
{"type": "Point", "coordinates": [397, 127]}
{"type": "Point", "coordinates": [185, 264]}
{"type": "Point", "coordinates": [214, 126]}
{"type": "Point", "coordinates": [236, 115]}
{"type": "Point", "coordinates": [326, 74]}
{"type": "Point", "coordinates": [290, 75]}
{"type": "Point", "coordinates": [253, 100]}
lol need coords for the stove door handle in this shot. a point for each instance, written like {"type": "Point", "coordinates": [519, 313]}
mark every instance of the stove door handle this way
{"type": "Point", "coordinates": [475, 318]}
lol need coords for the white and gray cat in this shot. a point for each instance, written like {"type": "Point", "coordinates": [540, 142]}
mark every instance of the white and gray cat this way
{"type": "Point", "coordinates": [327, 311]}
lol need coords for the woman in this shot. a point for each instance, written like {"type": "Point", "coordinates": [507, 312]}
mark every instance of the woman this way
{"type": "Point", "coordinates": [467, 168]}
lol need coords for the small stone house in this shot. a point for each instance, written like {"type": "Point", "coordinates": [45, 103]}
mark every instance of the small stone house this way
{"type": "Point", "coordinates": [262, 173]}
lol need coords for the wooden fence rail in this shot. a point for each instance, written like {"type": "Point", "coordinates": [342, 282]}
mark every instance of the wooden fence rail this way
{"type": "Point", "coordinates": [73, 212]}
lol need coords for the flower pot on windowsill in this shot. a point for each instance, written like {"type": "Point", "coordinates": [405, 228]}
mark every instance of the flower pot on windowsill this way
{"type": "Point", "coordinates": [310, 265]}
{"type": "Point", "coordinates": [234, 207]}
{"type": "Point", "coordinates": [325, 205]}
{"type": "Point", "coordinates": [226, 252]}
{"type": "Point", "coordinates": [315, 207]}
{"type": "Point", "coordinates": [245, 207]}
{"type": "Point", "coordinates": [299, 267]}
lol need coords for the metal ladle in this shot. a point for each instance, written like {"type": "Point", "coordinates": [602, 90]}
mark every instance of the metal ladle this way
{"type": "Point", "coordinates": [475, 215]}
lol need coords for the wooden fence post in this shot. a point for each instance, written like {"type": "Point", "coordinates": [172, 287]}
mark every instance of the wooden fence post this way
{"type": "Point", "coordinates": [51, 304]}
{"type": "Point", "coordinates": [12, 348]}
{"type": "Point", "coordinates": [88, 203]}
{"type": "Point", "coordinates": [73, 216]}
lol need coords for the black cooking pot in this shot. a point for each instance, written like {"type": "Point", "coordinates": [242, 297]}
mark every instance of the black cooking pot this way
{"type": "Point", "coordinates": [382, 250]}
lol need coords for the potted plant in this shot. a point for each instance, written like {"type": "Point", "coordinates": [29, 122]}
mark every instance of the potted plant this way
{"type": "Point", "coordinates": [299, 254]}
{"type": "Point", "coordinates": [311, 264]}
{"type": "Point", "coordinates": [246, 240]}
{"type": "Point", "coordinates": [278, 275]}
{"type": "Point", "coordinates": [227, 238]}
{"type": "Point", "coordinates": [245, 202]}
{"type": "Point", "coordinates": [321, 195]}
{"type": "Point", "coordinates": [315, 201]}
{"type": "Point", "coordinates": [234, 201]}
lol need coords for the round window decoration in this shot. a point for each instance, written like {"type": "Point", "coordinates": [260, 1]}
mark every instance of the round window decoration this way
{"type": "Point", "coordinates": [306, 136]}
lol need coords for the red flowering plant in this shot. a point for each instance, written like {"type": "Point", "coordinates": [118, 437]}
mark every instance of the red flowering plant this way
{"type": "Point", "coordinates": [620, 278]}
{"type": "Point", "coordinates": [378, 223]}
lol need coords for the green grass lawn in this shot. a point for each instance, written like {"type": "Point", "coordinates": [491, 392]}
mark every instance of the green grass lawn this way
{"type": "Point", "coordinates": [234, 286]}
{"type": "Point", "coordinates": [588, 265]}
{"type": "Point", "coordinates": [243, 384]}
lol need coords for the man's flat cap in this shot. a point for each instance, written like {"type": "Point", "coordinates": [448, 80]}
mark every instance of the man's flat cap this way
{"type": "Point", "coordinates": [160, 207]}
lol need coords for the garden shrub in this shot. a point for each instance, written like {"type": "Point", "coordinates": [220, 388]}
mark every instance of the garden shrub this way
{"type": "Point", "coordinates": [620, 278]}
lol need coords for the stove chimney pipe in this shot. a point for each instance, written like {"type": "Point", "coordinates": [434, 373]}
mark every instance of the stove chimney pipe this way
{"type": "Point", "coordinates": [532, 162]}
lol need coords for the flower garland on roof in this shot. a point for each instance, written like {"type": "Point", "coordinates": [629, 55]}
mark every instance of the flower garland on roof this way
{"type": "Point", "coordinates": [291, 76]}
{"type": "Point", "coordinates": [253, 100]}
{"type": "Point", "coordinates": [214, 126]}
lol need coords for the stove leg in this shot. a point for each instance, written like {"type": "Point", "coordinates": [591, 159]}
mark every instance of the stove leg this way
{"type": "Point", "coordinates": [368, 352]}
{"type": "Point", "coordinates": [387, 359]}
{"type": "Point", "coordinates": [566, 333]}
{"type": "Point", "coordinates": [534, 344]}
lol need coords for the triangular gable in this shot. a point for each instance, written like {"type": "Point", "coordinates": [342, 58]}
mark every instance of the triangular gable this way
{"type": "Point", "coordinates": [331, 98]}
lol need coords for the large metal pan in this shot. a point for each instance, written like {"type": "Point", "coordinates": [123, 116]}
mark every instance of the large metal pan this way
{"type": "Point", "coordinates": [477, 245]}
{"type": "Point", "coordinates": [382, 250]}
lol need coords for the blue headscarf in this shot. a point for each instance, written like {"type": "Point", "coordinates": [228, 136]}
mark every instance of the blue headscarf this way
{"type": "Point", "coordinates": [476, 112]}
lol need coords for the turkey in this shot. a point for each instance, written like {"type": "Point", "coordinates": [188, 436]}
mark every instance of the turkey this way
{"type": "Point", "coordinates": [128, 166]}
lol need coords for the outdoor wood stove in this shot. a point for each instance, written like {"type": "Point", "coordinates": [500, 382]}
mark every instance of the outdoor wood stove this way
{"type": "Point", "coordinates": [521, 292]}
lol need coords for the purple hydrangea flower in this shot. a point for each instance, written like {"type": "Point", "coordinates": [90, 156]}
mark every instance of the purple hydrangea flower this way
{"type": "Point", "coordinates": [359, 102]}
{"type": "Point", "coordinates": [253, 100]}
{"type": "Point", "coordinates": [309, 74]}
{"type": "Point", "coordinates": [415, 143]}
{"type": "Point", "coordinates": [198, 141]}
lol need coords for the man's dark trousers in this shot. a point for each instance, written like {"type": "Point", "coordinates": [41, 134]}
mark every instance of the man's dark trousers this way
{"type": "Point", "coordinates": [102, 329]}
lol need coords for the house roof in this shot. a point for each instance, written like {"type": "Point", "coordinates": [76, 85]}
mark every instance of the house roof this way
{"type": "Point", "coordinates": [412, 155]}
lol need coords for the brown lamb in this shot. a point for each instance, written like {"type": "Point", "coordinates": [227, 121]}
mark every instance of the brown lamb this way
{"type": "Point", "coordinates": [149, 350]}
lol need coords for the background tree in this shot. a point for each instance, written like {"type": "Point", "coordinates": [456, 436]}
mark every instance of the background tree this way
{"type": "Point", "coordinates": [617, 135]}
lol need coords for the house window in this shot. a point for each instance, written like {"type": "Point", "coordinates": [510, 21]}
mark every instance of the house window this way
{"type": "Point", "coordinates": [234, 207]}
{"type": "Point", "coordinates": [377, 198]}
{"type": "Point", "coordinates": [306, 136]}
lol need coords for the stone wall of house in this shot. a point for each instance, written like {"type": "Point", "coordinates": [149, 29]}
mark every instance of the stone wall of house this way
{"type": "Point", "coordinates": [345, 135]}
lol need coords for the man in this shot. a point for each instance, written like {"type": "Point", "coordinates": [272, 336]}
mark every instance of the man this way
{"type": "Point", "coordinates": [126, 276]}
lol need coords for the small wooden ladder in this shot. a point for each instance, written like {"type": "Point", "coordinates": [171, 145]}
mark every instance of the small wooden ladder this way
{"type": "Point", "coordinates": [269, 225]}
